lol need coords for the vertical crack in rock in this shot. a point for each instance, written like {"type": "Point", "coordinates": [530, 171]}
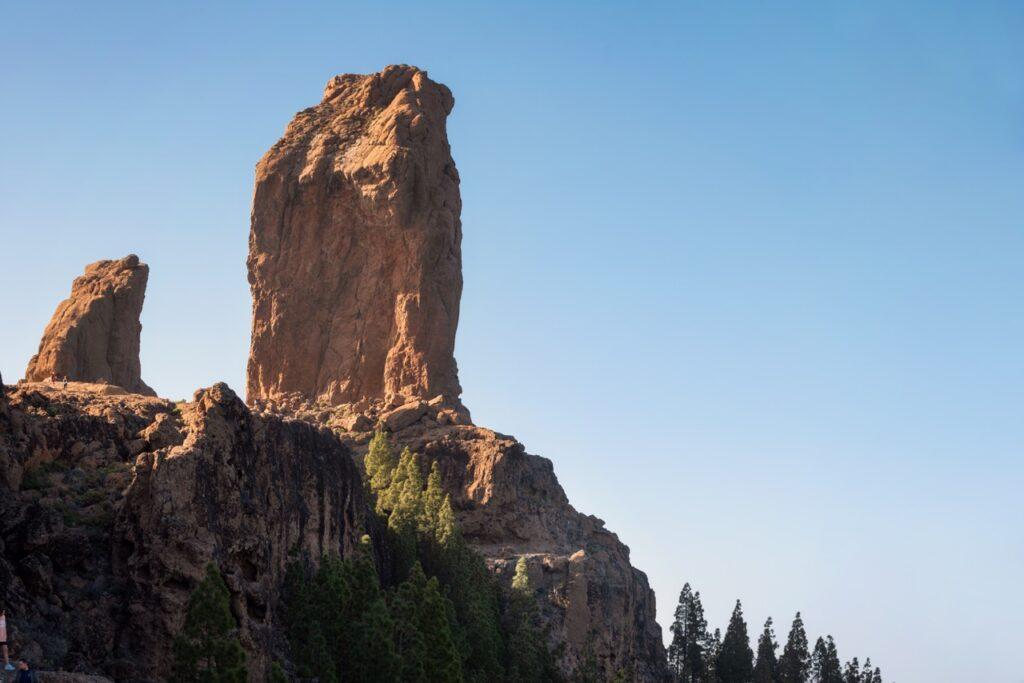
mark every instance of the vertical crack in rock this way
{"type": "Point", "coordinates": [355, 259]}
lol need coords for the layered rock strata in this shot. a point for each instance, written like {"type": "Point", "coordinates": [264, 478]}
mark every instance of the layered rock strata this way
{"type": "Point", "coordinates": [94, 334]}
{"type": "Point", "coordinates": [355, 257]}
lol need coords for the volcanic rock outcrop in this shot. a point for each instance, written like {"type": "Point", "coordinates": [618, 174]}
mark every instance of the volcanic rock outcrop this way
{"type": "Point", "coordinates": [600, 611]}
{"type": "Point", "coordinates": [112, 503]}
{"type": "Point", "coordinates": [111, 507]}
{"type": "Point", "coordinates": [355, 257]}
{"type": "Point", "coordinates": [93, 335]}
{"type": "Point", "coordinates": [355, 270]}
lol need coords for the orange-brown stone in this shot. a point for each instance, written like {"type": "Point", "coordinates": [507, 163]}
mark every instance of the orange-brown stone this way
{"type": "Point", "coordinates": [355, 260]}
{"type": "Point", "coordinates": [94, 334]}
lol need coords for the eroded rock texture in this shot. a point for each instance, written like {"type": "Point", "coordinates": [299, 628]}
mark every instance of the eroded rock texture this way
{"type": "Point", "coordinates": [355, 271]}
{"type": "Point", "coordinates": [354, 254]}
{"type": "Point", "coordinates": [93, 335]}
{"type": "Point", "coordinates": [600, 610]}
{"type": "Point", "coordinates": [112, 505]}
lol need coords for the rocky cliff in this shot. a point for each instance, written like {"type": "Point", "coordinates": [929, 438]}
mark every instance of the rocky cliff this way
{"type": "Point", "coordinates": [112, 503]}
{"type": "Point", "coordinates": [356, 278]}
{"type": "Point", "coordinates": [93, 335]}
{"type": "Point", "coordinates": [354, 254]}
{"type": "Point", "coordinates": [509, 504]}
{"type": "Point", "coordinates": [111, 506]}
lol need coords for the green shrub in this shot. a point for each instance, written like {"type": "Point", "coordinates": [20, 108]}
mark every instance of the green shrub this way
{"type": "Point", "coordinates": [35, 479]}
{"type": "Point", "coordinates": [207, 649]}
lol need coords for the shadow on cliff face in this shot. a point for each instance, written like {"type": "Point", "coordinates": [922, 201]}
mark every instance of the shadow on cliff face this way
{"type": "Point", "coordinates": [111, 506]}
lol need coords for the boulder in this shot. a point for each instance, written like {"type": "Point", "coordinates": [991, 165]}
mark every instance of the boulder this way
{"type": "Point", "coordinates": [357, 423]}
{"type": "Point", "coordinates": [404, 415]}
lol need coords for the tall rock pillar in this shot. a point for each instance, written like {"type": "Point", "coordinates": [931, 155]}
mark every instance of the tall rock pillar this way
{"type": "Point", "coordinates": [355, 259]}
{"type": "Point", "coordinates": [94, 334]}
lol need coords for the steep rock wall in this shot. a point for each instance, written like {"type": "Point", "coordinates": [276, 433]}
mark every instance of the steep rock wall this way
{"type": "Point", "coordinates": [355, 256]}
{"type": "Point", "coordinates": [111, 507]}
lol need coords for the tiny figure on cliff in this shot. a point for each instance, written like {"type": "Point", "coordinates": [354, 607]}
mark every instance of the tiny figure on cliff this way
{"type": "Point", "coordinates": [26, 674]}
{"type": "Point", "coordinates": [3, 640]}
{"type": "Point", "coordinates": [65, 386]}
{"type": "Point", "coordinates": [53, 377]}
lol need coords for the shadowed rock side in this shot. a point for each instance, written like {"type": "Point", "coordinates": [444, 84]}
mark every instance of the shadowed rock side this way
{"type": "Point", "coordinates": [355, 256]}
{"type": "Point", "coordinates": [93, 335]}
{"type": "Point", "coordinates": [111, 506]}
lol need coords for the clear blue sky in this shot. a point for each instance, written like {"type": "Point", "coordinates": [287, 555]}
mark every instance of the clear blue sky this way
{"type": "Point", "coordinates": [751, 274]}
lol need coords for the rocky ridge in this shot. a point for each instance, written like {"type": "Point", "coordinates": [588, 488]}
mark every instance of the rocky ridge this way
{"type": "Point", "coordinates": [111, 503]}
{"type": "Point", "coordinates": [111, 507]}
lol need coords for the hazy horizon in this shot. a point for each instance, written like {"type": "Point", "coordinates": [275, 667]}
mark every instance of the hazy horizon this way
{"type": "Point", "coordinates": [750, 277]}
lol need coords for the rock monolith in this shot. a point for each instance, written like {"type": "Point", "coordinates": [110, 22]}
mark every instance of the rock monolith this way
{"type": "Point", "coordinates": [94, 334]}
{"type": "Point", "coordinates": [355, 256]}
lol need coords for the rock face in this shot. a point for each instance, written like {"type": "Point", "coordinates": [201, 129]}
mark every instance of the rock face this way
{"type": "Point", "coordinates": [94, 334]}
{"type": "Point", "coordinates": [112, 504]}
{"type": "Point", "coordinates": [111, 507]}
{"type": "Point", "coordinates": [355, 256]}
{"type": "Point", "coordinates": [355, 268]}
{"type": "Point", "coordinates": [509, 504]}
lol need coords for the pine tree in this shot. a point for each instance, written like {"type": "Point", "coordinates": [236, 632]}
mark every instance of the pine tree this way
{"type": "Point", "coordinates": [207, 648]}
{"type": "Point", "coordinates": [443, 660]}
{"type": "Point", "coordinates": [677, 648]}
{"type": "Point", "coordinates": [371, 652]}
{"type": "Point", "coordinates": [433, 500]}
{"type": "Point", "coordinates": [521, 580]}
{"type": "Point", "coordinates": [712, 646]}
{"type": "Point", "coordinates": [422, 636]}
{"type": "Point", "coordinates": [302, 615]}
{"type": "Point", "coordinates": [446, 530]}
{"type": "Point", "coordinates": [688, 656]}
{"type": "Point", "coordinates": [794, 665]}
{"type": "Point", "coordinates": [735, 661]}
{"type": "Point", "coordinates": [404, 496]}
{"type": "Point", "coordinates": [528, 657]}
{"type": "Point", "coordinates": [410, 645]}
{"type": "Point", "coordinates": [331, 587]}
{"type": "Point", "coordinates": [851, 674]}
{"type": "Point", "coordinates": [767, 666]}
{"type": "Point", "coordinates": [825, 667]}
{"type": "Point", "coordinates": [380, 464]}
{"type": "Point", "coordinates": [869, 675]}
{"type": "Point", "coordinates": [366, 649]}
{"type": "Point", "coordinates": [404, 499]}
